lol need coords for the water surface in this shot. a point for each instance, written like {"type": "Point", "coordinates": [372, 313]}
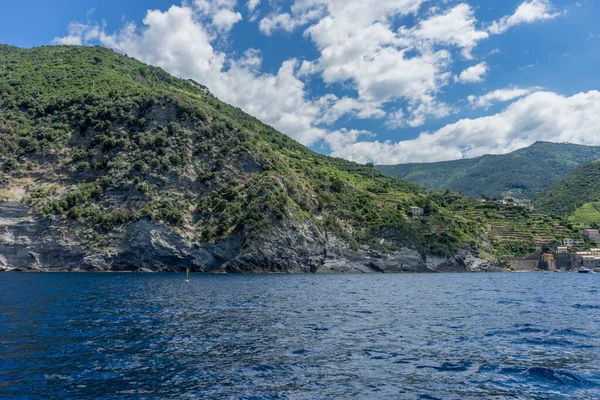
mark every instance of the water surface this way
{"type": "Point", "coordinates": [447, 336]}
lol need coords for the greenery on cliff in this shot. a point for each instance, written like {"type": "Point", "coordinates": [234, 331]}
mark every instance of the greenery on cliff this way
{"type": "Point", "coordinates": [522, 174]}
{"type": "Point", "coordinates": [577, 196]}
{"type": "Point", "coordinates": [95, 139]}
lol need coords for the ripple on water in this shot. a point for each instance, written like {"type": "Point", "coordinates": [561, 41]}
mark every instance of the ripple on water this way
{"type": "Point", "coordinates": [586, 306]}
{"type": "Point", "coordinates": [447, 336]}
{"type": "Point", "coordinates": [548, 375]}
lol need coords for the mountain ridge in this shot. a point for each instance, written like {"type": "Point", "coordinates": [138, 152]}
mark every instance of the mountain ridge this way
{"type": "Point", "coordinates": [522, 174]}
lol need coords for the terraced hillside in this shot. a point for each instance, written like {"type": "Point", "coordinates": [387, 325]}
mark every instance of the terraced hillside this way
{"type": "Point", "coordinates": [576, 197]}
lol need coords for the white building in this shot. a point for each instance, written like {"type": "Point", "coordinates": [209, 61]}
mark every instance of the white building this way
{"type": "Point", "coordinates": [562, 250]}
{"type": "Point", "coordinates": [417, 211]}
{"type": "Point", "coordinates": [568, 242]}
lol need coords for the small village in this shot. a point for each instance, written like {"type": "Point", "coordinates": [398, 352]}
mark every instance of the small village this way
{"type": "Point", "coordinates": [572, 255]}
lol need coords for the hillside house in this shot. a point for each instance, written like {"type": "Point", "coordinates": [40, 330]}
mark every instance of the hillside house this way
{"type": "Point", "coordinates": [590, 262]}
{"type": "Point", "coordinates": [591, 234]}
{"type": "Point", "coordinates": [416, 210]}
{"type": "Point", "coordinates": [562, 250]}
{"type": "Point", "coordinates": [547, 257]}
{"type": "Point", "coordinates": [568, 242]}
{"type": "Point", "coordinates": [588, 259]}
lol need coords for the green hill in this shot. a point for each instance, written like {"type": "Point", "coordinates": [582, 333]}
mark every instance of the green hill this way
{"type": "Point", "coordinates": [522, 174]}
{"type": "Point", "coordinates": [578, 196]}
{"type": "Point", "coordinates": [110, 164]}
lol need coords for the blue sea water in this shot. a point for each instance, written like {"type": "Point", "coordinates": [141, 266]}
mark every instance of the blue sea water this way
{"type": "Point", "coordinates": [447, 336]}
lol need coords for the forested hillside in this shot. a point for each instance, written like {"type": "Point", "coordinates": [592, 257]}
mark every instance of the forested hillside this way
{"type": "Point", "coordinates": [576, 196]}
{"type": "Point", "coordinates": [107, 163]}
{"type": "Point", "coordinates": [522, 174]}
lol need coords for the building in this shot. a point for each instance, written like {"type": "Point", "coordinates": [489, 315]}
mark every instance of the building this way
{"type": "Point", "coordinates": [591, 234]}
{"type": "Point", "coordinates": [588, 259]}
{"type": "Point", "coordinates": [590, 262]}
{"type": "Point", "coordinates": [562, 250]}
{"type": "Point", "coordinates": [568, 242]}
{"type": "Point", "coordinates": [547, 257]}
{"type": "Point", "coordinates": [417, 211]}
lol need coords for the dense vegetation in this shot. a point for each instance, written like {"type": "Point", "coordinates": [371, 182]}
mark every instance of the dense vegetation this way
{"type": "Point", "coordinates": [522, 174]}
{"type": "Point", "coordinates": [96, 140]}
{"type": "Point", "coordinates": [578, 196]}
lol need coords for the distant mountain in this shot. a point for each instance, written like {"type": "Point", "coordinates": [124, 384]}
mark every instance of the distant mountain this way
{"type": "Point", "coordinates": [522, 174]}
{"type": "Point", "coordinates": [578, 196]}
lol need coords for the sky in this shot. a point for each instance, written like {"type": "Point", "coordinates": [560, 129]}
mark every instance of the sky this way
{"type": "Point", "coordinates": [383, 81]}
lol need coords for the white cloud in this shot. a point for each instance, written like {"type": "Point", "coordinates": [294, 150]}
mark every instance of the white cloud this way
{"type": "Point", "coordinates": [428, 107]}
{"type": "Point", "coordinates": [288, 23]}
{"type": "Point", "coordinates": [75, 34]}
{"type": "Point", "coordinates": [360, 48]}
{"type": "Point", "coordinates": [274, 22]}
{"type": "Point", "coordinates": [396, 119]}
{"type": "Point", "coordinates": [500, 95]}
{"type": "Point", "coordinates": [225, 19]}
{"type": "Point", "coordinates": [220, 13]}
{"type": "Point", "coordinates": [252, 4]}
{"type": "Point", "coordinates": [474, 74]}
{"type": "Point", "coordinates": [344, 139]}
{"type": "Point", "coordinates": [334, 108]}
{"type": "Point", "coordinates": [528, 12]}
{"type": "Point", "coordinates": [539, 116]}
{"type": "Point", "coordinates": [456, 27]}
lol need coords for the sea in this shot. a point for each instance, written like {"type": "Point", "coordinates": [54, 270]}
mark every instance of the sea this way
{"type": "Point", "coordinates": [437, 336]}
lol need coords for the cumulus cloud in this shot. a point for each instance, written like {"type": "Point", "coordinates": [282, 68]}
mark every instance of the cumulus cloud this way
{"type": "Point", "coordinates": [220, 12]}
{"type": "Point", "coordinates": [539, 116]}
{"type": "Point", "coordinates": [225, 19]}
{"type": "Point", "coordinates": [499, 96]}
{"type": "Point", "coordinates": [286, 22]}
{"type": "Point", "coordinates": [252, 4]}
{"type": "Point", "coordinates": [76, 32]}
{"type": "Point", "coordinates": [528, 12]}
{"type": "Point", "coordinates": [343, 139]}
{"type": "Point", "coordinates": [473, 74]}
{"type": "Point", "coordinates": [456, 27]}
{"type": "Point", "coordinates": [360, 46]}
{"type": "Point", "coordinates": [334, 108]}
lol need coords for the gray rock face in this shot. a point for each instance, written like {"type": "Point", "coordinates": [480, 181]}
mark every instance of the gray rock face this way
{"type": "Point", "coordinates": [287, 249]}
{"type": "Point", "coordinates": [29, 243]}
{"type": "Point", "coordinates": [341, 259]}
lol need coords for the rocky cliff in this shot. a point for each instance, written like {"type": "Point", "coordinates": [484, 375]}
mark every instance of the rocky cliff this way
{"type": "Point", "coordinates": [110, 164]}
{"type": "Point", "coordinates": [33, 243]}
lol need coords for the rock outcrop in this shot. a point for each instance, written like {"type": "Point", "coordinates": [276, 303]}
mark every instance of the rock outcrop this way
{"type": "Point", "coordinates": [32, 243]}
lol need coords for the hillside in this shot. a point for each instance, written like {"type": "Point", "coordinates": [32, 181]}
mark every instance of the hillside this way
{"type": "Point", "coordinates": [110, 164]}
{"type": "Point", "coordinates": [578, 196]}
{"type": "Point", "coordinates": [522, 174]}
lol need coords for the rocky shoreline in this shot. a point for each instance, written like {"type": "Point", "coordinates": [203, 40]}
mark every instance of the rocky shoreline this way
{"type": "Point", "coordinates": [29, 243]}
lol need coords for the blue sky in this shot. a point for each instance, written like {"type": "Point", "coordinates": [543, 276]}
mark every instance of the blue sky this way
{"type": "Point", "coordinates": [387, 81]}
